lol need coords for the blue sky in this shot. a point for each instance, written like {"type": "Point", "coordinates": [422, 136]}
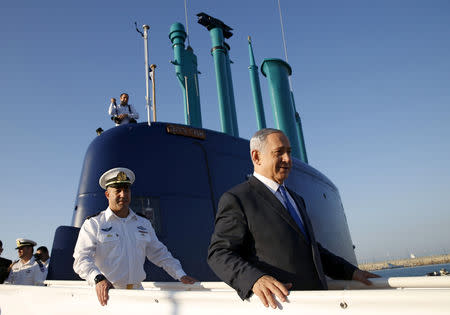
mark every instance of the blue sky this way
{"type": "Point", "coordinates": [371, 83]}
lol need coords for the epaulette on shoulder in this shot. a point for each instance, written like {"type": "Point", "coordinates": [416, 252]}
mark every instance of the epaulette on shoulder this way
{"type": "Point", "coordinates": [94, 215]}
{"type": "Point", "coordinates": [141, 215]}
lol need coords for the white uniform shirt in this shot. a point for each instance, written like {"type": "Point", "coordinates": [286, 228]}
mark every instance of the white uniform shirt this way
{"type": "Point", "coordinates": [273, 187]}
{"type": "Point", "coordinates": [116, 110]}
{"type": "Point", "coordinates": [29, 273]}
{"type": "Point", "coordinates": [117, 247]}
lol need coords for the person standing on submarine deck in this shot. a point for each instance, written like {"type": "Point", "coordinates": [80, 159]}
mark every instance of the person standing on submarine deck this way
{"type": "Point", "coordinates": [112, 245]}
{"type": "Point", "coordinates": [123, 113]}
{"type": "Point", "coordinates": [263, 242]}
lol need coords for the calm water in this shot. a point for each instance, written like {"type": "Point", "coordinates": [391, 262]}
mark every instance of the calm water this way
{"type": "Point", "coordinates": [412, 271]}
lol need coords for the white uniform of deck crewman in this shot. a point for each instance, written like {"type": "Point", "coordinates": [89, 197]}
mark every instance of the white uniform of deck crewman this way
{"type": "Point", "coordinates": [112, 245]}
{"type": "Point", "coordinates": [26, 270]}
{"type": "Point", "coordinates": [123, 113]}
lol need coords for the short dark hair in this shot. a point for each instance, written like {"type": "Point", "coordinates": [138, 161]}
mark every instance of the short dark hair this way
{"type": "Point", "coordinates": [124, 94]}
{"type": "Point", "coordinates": [1, 244]}
{"type": "Point", "coordinates": [42, 249]}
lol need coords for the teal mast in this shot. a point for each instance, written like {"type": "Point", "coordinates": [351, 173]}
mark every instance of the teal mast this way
{"type": "Point", "coordinates": [303, 155]}
{"type": "Point", "coordinates": [277, 72]}
{"type": "Point", "coordinates": [256, 89]}
{"type": "Point", "coordinates": [186, 70]}
{"type": "Point", "coordinates": [218, 31]}
{"type": "Point", "coordinates": [231, 92]}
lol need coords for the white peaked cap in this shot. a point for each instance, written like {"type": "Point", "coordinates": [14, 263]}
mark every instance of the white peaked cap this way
{"type": "Point", "coordinates": [118, 175]}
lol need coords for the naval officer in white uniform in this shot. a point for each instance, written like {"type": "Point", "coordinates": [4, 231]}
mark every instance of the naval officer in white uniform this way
{"type": "Point", "coordinates": [112, 245]}
{"type": "Point", "coordinates": [26, 270]}
{"type": "Point", "coordinates": [123, 113]}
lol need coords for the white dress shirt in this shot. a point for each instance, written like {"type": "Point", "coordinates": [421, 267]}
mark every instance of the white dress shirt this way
{"type": "Point", "coordinates": [273, 187]}
{"type": "Point", "coordinates": [116, 110]}
{"type": "Point", "coordinates": [29, 273]}
{"type": "Point", "coordinates": [117, 247]}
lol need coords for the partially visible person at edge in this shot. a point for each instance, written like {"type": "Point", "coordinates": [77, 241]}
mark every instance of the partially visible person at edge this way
{"type": "Point", "coordinates": [123, 113]}
{"type": "Point", "coordinates": [112, 245]}
{"type": "Point", "coordinates": [263, 241]}
{"type": "Point", "coordinates": [27, 270]}
{"type": "Point", "coordinates": [44, 257]}
{"type": "Point", "coordinates": [4, 265]}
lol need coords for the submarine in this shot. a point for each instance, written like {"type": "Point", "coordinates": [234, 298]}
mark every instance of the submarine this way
{"type": "Point", "coordinates": [182, 170]}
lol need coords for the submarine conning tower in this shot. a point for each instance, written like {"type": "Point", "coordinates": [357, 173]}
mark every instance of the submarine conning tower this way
{"type": "Point", "coordinates": [193, 168]}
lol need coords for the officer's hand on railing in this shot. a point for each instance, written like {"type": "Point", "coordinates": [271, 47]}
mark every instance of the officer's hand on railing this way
{"type": "Point", "coordinates": [188, 280]}
{"type": "Point", "coordinates": [102, 289]}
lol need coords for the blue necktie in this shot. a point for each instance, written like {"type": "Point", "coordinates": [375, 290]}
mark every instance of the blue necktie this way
{"type": "Point", "coordinates": [290, 207]}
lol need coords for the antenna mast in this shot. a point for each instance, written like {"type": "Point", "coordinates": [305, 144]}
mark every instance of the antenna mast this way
{"type": "Point", "coordinates": [187, 24]}
{"type": "Point", "coordinates": [153, 67]}
{"type": "Point", "coordinates": [147, 87]}
{"type": "Point", "coordinates": [284, 40]}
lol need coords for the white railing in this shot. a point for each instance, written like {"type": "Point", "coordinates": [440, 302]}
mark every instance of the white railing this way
{"type": "Point", "coordinates": [422, 295]}
{"type": "Point", "coordinates": [377, 283]}
{"type": "Point", "coordinates": [394, 282]}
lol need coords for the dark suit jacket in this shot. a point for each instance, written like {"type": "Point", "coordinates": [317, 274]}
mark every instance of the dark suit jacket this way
{"type": "Point", "coordinates": [4, 265]}
{"type": "Point", "coordinates": [254, 235]}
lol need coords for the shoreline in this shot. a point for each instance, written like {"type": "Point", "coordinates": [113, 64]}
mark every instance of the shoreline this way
{"type": "Point", "coordinates": [407, 262]}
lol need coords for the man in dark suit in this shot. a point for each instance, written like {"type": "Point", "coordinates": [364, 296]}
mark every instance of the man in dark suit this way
{"type": "Point", "coordinates": [263, 241]}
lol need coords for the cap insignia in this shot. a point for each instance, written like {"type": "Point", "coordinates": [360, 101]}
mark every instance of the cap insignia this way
{"type": "Point", "coordinates": [121, 176]}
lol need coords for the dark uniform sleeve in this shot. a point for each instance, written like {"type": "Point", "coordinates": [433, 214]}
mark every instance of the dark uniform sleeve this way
{"type": "Point", "coordinates": [334, 266]}
{"type": "Point", "coordinates": [227, 250]}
